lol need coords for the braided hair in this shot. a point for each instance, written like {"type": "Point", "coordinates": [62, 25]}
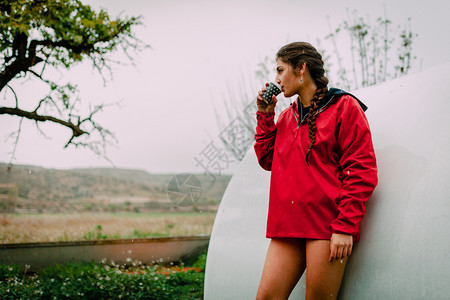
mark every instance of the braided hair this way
{"type": "Point", "coordinates": [296, 54]}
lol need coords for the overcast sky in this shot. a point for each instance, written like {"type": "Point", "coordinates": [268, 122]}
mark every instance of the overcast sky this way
{"type": "Point", "coordinates": [198, 50]}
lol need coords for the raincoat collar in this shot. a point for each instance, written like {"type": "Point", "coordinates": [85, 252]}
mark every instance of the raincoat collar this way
{"type": "Point", "coordinates": [334, 94]}
{"type": "Point", "coordinates": [331, 97]}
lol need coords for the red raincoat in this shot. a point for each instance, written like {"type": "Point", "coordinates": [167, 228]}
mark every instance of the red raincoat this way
{"type": "Point", "coordinates": [329, 195]}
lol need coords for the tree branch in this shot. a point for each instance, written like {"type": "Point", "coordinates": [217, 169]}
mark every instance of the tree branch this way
{"type": "Point", "coordinates": [13, 154]}
{"type": "Point", "coordinates": [76, 130]}
{"type": "Point", "coordinates": [15, 96]}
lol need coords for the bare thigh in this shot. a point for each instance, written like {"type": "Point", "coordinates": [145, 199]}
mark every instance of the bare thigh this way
{"type": "Point", "coordinates": [284, 265]}
{"type": "Point", "coordinates": [323, 279]}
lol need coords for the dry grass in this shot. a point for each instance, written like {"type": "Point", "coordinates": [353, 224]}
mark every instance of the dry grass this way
{"type": "Point", "coordinates": [26, 228]}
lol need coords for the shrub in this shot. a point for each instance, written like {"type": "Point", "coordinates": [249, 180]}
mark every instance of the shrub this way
{"type": "Point", "coordinates": [93, 280]}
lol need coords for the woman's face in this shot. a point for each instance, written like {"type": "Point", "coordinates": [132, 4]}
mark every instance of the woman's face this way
{"type": "Point", "coordinates": [287, 79]}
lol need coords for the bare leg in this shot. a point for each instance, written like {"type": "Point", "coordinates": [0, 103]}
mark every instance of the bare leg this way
{"type": "Point", "coordinates": [323, 279]}
{"type": "Point", "coordinates": [284, 265]}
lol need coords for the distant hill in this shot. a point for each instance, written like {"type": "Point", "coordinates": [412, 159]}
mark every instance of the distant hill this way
{"type": "Point", "coordinates": [31, 188]}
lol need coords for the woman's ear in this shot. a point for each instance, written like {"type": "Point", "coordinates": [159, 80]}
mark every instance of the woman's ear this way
{"type": "Point", "coordinates": [301, 68]}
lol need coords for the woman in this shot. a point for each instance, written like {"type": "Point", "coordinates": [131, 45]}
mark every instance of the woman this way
{"type": "Point", "coordinates": [324, 170]}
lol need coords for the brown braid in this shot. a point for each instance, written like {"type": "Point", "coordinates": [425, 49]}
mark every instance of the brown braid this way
{"type": "Point", "coordinates": [296, 54]}
{"type": "Point", "coordinates": [318, 96]}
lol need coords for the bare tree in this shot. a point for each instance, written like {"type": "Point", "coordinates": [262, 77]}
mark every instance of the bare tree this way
{"type": "Point", "coordinates": [371, 47]}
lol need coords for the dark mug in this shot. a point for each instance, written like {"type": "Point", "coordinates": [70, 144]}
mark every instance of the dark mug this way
{"type": "Point", "coordinates": [272, 89]}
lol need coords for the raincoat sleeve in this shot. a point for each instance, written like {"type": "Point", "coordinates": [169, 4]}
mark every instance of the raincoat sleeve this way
{"type": "Point", "coordinates": [358, 166]}
{"type": "Point", "coordinates": [265, 139]}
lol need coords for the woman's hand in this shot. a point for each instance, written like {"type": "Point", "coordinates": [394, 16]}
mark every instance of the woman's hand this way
{"type": "Point", "coordinates": [262, 105]}
{"type": "Point", "coordinates": [340, 246]}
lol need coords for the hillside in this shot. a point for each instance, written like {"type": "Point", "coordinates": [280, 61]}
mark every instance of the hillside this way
{"type": "Point", "coordinates": [32, 188]}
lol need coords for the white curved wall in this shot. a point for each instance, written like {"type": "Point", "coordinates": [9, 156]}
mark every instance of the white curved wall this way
{"type": "Point", "coordinates": [405, 236]}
